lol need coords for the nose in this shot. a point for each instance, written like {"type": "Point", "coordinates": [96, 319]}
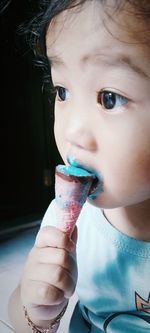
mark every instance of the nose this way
{"type": "Point", "coordinates": [80, 133]}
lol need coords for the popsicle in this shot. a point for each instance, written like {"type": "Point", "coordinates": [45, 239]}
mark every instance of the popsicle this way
{"type": "Point", "coordinates": [72, 186]}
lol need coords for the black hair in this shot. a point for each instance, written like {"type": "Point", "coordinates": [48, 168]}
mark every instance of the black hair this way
{"type": "Point", "coordinates": [48, 9]}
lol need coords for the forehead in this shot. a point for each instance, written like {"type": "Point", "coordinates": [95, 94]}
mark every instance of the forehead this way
{"type": "Point", "coordinates": [72, 22]}
{"type": "Point", "coordinates": [125, 20]}
{"type": "Point", "coordinates": [81, 30]}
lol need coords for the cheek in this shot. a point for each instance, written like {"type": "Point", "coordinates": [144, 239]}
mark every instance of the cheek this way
{"type": "Point", "coordinates": [59, 137]}
{"type": "Point", "coordinates": [57, 132]}
{"type": "Point", "coordinates": [142, 169]}
{"type": "Point", "coordinates": [130, 160]}
{"type": "Point", "coordinates": [125, 166]}
{"type": "Point", "coordinates": [128, 148]}
{"type": "Point", "coordinates": [129, 180]}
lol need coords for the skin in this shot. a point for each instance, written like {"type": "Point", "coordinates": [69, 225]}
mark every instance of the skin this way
{"type": "Point", "coordinates": [114, 142]}
{"type": "Point", "coordinates": [48, 280]}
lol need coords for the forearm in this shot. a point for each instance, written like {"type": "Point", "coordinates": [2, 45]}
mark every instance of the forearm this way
{"type": "Point", "coordinates": [17, 315]}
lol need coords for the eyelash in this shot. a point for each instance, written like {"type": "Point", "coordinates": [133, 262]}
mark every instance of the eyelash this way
{"type": "Point", "coordinates": [103, 97]}
{"type": "Point", "coordinates": [116, 99]}
{"type": "Point", "coordinates": [57, 90]}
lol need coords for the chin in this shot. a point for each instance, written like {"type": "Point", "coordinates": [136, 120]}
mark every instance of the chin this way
{"type": "Point", "coordinates": [104, 203]}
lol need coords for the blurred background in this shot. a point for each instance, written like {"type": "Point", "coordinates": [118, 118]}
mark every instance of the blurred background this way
{"type": "Point", "coordinates": [28, 151]}
{"type": "Point", "coordinates": [28, 154]}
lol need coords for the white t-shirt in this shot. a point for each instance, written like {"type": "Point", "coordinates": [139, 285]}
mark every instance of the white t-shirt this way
{"type": "Point", "coordinates": [113, 276]}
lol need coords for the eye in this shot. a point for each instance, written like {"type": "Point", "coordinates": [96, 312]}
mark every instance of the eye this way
{"type": "Point", "coordinates": [61, 93]}
{"type": "Point", "coordinates": [110, 100]}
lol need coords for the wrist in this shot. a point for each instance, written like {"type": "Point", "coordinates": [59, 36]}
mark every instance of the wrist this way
{"type": "Point", "coordinates": [51, 324]}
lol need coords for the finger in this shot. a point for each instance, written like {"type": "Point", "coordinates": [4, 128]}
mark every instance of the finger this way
{"type": "Point", "coordinates": [55, 256]}
{"type": "Point", "coordinates": [56, 276]}
{"type": "Point", "coordinates": [53, 237]}
{"type": "Point", "coordinates": [41, 293]}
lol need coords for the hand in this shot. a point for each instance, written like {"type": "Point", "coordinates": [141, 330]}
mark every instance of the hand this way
{"type": "Point", "coordinates": [50, 274]}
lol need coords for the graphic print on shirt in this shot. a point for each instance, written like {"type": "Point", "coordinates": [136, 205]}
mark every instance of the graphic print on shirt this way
{"type": "Point", "coordinates": [129, 321]}
{"type": "Point", "coordinates": [142, 304]}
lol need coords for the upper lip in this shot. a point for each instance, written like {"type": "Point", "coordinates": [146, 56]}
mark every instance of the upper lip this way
{"type": "Point", "coordinates": [78, 164]}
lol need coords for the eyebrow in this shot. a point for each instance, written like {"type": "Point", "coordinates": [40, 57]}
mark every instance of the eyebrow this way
{"type": "Point", "coordinates": [119, 60]}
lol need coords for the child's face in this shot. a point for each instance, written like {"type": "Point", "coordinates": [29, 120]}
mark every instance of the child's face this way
{"type": "Point", "coordinates": [102, 109]}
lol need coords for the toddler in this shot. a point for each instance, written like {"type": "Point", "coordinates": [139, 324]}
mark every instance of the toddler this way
{"type": "Point", "coordinates": [98, 53]}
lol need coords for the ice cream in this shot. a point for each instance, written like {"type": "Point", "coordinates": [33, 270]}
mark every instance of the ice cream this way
{"type": "Point", "coordinates": [72, 186]}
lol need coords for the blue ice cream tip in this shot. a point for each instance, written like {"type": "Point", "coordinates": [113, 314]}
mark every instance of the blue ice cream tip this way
{"type": "Point", "coordinates": [70, 170]}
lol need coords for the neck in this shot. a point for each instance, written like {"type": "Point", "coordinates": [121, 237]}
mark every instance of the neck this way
{"type": "Point", "coordinates": [133, 221]}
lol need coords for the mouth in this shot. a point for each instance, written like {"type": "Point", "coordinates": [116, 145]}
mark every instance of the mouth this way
{"type": "Point", "coordinates": [97, 184]}
{"type": "Point", "coordinates": [96, 188]}
{"type": "Point", "coordinates": [94, 185]}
